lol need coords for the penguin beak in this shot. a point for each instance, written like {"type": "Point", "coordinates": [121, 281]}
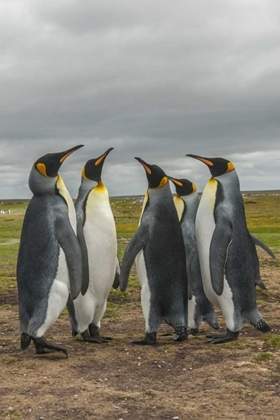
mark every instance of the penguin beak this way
{"type": "Point", "coordinates": [175, 181]}
{"type": "Point", "coordinates": [101, 158]}
{"type": "Point", "coordinates": [145, 165]}
{"type": "Point", "coordinates": [64, 155]}
{"type": "Point", "coordinates": [202, 159]}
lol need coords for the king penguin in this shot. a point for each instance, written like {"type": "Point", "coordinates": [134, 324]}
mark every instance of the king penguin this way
{"type": "Point", "coordinates": [49, 264]}
{"type": "Point", "coordinates": [200, 308]}
{"type": "Point", "coordinates": [96, 231]}
{"type": "Point", "coordinates": [158, 248]}
{"type": "Point", "coordinates": [227, 252]}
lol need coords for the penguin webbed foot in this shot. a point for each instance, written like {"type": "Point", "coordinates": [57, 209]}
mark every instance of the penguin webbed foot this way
{"type": "Point", "coordinates": [193, 331]}
{"type": "Point", "coordinates": [25, 341]}
{"type": "Point", "coordinates": [95, 338]}
{"type": "Point", "coordinates": [149, 339]}
{"type": "Point", "coordinates": [222, 338]}
{"type": "Point", "coordinates": [94, 332]}
{"type": "Point", "coordinates": [262, 326]}
{"type": "Point", "coordinates": [181, 334]}
{"type": "Point", "coordinates": [44, 347]}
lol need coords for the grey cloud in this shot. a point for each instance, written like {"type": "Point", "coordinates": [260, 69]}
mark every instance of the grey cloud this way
{"type": "Point", "coordinates": [157, 79]}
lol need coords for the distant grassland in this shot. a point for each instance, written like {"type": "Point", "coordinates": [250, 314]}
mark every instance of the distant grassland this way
{"type": "Point", "coordinates": [262, 213]}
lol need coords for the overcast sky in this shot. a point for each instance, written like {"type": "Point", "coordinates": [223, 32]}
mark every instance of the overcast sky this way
{"type": "Point", "coordinates": [155, 79]}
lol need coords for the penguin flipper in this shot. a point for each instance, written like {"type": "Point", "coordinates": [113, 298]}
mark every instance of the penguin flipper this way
{"type": "Point", "coordinates": [259, 243]}
{"type": "Point", "coordinates": [117, 275]}
{"type": "Point", "coordinates": [137, 242]}
{"type": "Point", "coordinates": [220, 242]}
{"type": "Point", "coordinates": [68, 241]}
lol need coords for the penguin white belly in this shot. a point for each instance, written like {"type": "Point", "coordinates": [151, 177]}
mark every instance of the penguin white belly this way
{"type": "Point", "coordinates": [145, 290]}
{"type": "Point", "coordinates": [58, 294]}
{"type": "Point", "coordinates": [205, 226]}
{"type": "Point", "coordinates": [191, 312]}
{"type": "Point", "coordinates": [101, 239]}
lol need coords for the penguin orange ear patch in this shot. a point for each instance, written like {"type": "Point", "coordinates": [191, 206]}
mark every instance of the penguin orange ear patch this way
{"type": "Point", "coordinates": [230, 167]}
{"type": "Point", "coordinates": [163, 182]}
{"type": "Point", "coordinates": [41, 167]}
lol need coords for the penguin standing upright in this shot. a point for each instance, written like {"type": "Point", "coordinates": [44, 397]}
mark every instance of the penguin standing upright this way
{"type": "Point", "coordinates": [227, 252]}
{"type": "Point", "coordinates": [158, 247]}
{"type": "Point", "coordinates": [49, 262]}
{"type": "Point", "coordinates": [96, 231]}
{"type": "Point", "coordinates": [199, 307]}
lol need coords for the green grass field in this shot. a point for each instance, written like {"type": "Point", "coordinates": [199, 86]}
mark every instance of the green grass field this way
{"type": "Point", "coordinates": [262, 212]}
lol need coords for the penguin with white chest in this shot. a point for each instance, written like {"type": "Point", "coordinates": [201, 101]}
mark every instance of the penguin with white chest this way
{"type": "Point", "coordinates": [158, 248]}
{"type": "Point", "coordinates": [96, 231]}
{"type": "Point", "coordinates": [200, 308]}
{"type": "Point", "coordinates": [227, 252]}
{"type": "Point", "coordinates": [49, 265]}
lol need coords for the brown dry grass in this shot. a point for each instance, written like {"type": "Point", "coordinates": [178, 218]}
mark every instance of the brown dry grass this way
{"type": "Point", "coordinates": [237, 380]}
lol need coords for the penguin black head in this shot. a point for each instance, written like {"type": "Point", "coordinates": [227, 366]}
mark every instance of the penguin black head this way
{"type": "Point", "coordinates": [155, 175]}
{"type": "Point", "coordinates": [217, 166]}
{"type": "Point", "coordinates": [93, 168]}
{"type": "Point", "coordinates": [183, 186]}
{"type": "Point", "coordinates": [49, 164]}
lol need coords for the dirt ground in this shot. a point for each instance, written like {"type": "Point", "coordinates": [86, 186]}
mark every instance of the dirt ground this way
{"type": "Point", "coordinates": [193, 379]}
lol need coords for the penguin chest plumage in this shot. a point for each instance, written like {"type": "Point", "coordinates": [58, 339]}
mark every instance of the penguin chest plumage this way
{"type": "Point", "coordinates": [68, 199]}
{"type": "Point", "coordinates": [205, 227]}
{"type": "Point", "coordinates": [101, 241]}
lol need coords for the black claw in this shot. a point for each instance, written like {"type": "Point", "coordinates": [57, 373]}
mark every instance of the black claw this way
{"type": "Point", "coordinates": [222, 338]}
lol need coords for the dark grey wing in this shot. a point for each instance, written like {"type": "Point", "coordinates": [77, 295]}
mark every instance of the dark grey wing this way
{"type": "Point", "coordinates": [137, 242]}
{"type": "Point", "coordinates": [81, 238]}
{"type": "Point", "coordinates": [259, 243]}
{"type": "Point", "coordinates": [220, 242]}
{"type": "Point", "coordinates": [117, 275]}
{"type": "Point", "coordinates": [68, 241]}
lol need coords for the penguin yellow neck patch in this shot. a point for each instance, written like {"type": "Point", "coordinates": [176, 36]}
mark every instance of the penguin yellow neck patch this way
{"type": "Point", "coordinates": [84, 174]}
{"type": "Point", "coordinates": [230, 167]}
{"type": "Point", "coordinates": [100, 187]}
{"type": "Point", "coordinates": [41, 167]}
{"type": "Point", "coordinates": [180, 206]}
{"type": "Point", "coordinates": [163, 182]}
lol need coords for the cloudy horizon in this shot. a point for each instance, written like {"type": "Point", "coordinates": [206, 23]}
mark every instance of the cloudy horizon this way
{"type": "Point", "coordinates": [154, 79]}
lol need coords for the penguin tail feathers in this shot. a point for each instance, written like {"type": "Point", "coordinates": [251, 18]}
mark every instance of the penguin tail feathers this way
{"type": "Point", "coordinates": [255, 318]}
{"type": "Point", "coordinates": [25, 341]}
{"type": "Point", "coordinates": [260, 283]}
{"type": "Point", "coordinates": [211, 319]}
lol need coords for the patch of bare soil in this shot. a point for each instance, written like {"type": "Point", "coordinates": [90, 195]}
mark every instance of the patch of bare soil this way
{"type": "Point", "coordinates": [193, 379]}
